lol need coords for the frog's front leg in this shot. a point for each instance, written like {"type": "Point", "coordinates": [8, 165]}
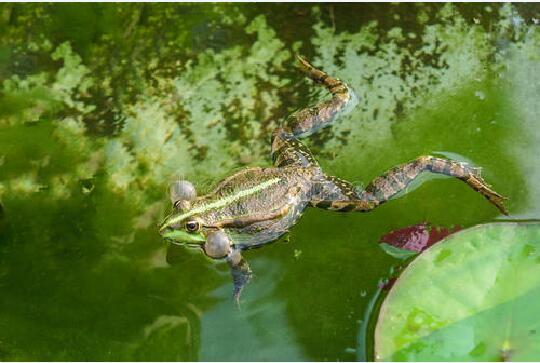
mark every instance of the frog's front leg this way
{"type": "Point", "coordinates": [340, 195]}
{"type": "Point", "coordinates": [218, 246]}
{"type": "Point", "coordinates": [240, 271]}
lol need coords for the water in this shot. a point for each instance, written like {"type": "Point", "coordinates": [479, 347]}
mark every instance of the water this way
{"type": "Point", "coordinates": [93, 130]}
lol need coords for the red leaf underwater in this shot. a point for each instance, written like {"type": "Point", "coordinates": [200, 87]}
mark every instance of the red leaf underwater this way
{"type": "Point", "coordinates": [417, 237]}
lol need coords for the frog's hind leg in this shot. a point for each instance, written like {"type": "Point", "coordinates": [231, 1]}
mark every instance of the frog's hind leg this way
{"type": "Point", "coordinates": [340, 195]}
{"type": "Point", "coordinates": [286, 149]}
{"type": "Point", "coordinates": [308, 120]}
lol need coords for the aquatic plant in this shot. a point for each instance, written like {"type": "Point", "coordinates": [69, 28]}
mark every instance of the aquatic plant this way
{"type": "Point", "coordinates": [471, 297]}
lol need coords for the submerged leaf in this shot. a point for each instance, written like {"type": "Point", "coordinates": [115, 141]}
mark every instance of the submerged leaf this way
{"type": "Point", "coordinates": [397, 252]}
{"type": "Point", "coordinates": [474, 296]}
{"type": "Point", "coordinates": [405, 242]}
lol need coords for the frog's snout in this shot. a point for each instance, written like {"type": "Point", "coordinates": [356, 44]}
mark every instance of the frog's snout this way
{"type": "Point", "coordinates": [164, 229]}
{"type": "Point", "coordinates": [165, 226]}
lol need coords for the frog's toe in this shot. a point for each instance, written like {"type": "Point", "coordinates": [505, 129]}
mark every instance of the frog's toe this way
{"type": "Point", "coordinates": [498, 201]}
{"type": "Point", "coordinates": [478, 184]}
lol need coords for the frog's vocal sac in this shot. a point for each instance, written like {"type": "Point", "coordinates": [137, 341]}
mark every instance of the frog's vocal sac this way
{"type": "Point", "coordinates": [257, 205]}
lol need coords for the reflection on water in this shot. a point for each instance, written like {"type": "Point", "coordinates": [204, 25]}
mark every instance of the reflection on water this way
{"type": "Point", "coordinates": [104, 104]}
{"type": "Point", "coordinates": [253, 332]}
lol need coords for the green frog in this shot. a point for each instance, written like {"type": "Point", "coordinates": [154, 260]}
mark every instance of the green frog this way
{"type": "Point", "coordinates": [257, 205]}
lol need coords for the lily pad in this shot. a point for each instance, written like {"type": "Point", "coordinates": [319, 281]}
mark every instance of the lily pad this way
{"type": "Point", "coordinates": [473, 296]}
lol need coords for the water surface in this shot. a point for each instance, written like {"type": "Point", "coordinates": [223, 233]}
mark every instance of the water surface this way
{"type": "Point", "coordinates": [103, 105]}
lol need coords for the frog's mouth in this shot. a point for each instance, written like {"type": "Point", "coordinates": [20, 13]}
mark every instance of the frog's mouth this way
{"type": "Point", "coordinates": [183, 237]}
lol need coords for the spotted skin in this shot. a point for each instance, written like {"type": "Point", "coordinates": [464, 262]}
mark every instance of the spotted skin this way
{"type": "Point", "coordinates": [255, 206]}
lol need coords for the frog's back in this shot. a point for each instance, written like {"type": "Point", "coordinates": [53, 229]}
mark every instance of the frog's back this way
{"type": "Point", "coordinates": [258, 191]}
{"type": "Point", "coordinates": [261, 189]}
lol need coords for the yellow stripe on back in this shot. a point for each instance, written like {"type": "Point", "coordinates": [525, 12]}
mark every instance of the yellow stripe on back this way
{"type": "Point", "coordinates": [224, 201]}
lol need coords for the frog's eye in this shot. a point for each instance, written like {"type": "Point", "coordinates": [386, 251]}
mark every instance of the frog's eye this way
{"type": "Point", "coordinates": [193, 226]}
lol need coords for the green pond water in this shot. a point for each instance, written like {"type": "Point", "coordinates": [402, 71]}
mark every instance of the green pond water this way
{"type": "Point", "coordinates": [103, 105]}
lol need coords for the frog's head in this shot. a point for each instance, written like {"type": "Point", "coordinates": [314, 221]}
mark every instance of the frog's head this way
{"type": "Point", "coordinates": [187, 224]}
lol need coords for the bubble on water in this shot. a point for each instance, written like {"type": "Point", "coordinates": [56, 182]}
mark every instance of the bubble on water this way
{"type": "Point", "coordinates": [517, 21]}
{"type": "Point", "coordinates": [87, 188]}
{"type": "Point", "coordinates": [419, 320]}
{"type": "Point", "coordinates": [481, 95]}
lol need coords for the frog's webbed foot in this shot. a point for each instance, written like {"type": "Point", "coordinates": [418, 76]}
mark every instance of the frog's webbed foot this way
{"type": "Point", "coordinates": [240, 271]}
{"type": "Point", "coordinates": [476, 182]}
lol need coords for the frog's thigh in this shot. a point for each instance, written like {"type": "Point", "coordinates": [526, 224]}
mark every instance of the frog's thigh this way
{"type": "Point", "coordinates": [340, 195]}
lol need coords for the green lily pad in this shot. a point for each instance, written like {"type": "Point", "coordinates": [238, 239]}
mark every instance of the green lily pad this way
{"type": "Point", "coordinates": [473, 296]}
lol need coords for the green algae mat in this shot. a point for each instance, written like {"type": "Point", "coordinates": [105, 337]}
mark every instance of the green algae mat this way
{"type": "Point", "coordinates": [475, 296]}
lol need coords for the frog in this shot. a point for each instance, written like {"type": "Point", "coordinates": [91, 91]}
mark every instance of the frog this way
{"type": "Point", "coordinates": [258, 205]}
